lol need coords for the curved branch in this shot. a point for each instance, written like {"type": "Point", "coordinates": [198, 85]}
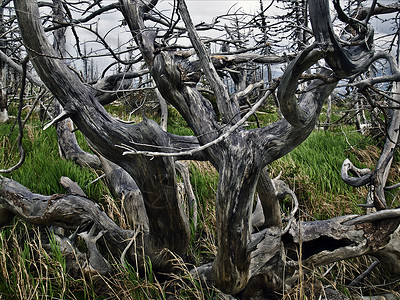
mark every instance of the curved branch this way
{"type": "Point", "coordinates": [363, 175]}
{"type": "Point", "coordinates": [66, 211]}
{"type": "Point", "coordinates": [114, 85]}
{"type": "Point", "coordinates": [171, 230]}
{"type": "Point", "coordinates": [345, 62]}
{"type": "Point", "coordinates": [133, 151]}
{"type": "Point", "coordinates": [292, 111]}
{"type": "Point", "coordinates": [281, 137]}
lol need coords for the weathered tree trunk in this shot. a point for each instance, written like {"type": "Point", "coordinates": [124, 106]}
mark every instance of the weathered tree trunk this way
{"type": "Point", "coordinates": [241, 156]}
{"type": "Point", "coordinates": [273, 256]}
{"type": "Point", "coordinates": [167, 224]}
{"type": "Point", "coordinates": [233, 209]}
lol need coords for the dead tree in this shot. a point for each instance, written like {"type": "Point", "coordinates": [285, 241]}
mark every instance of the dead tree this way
{"type": "Point", "coordinates": [246, 260]}
{"type": "Point", "coordinates": [3, 49]}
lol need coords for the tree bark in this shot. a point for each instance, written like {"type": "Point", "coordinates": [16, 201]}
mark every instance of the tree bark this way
{"type": "Point", "coordinates": [269, 200]}
{"type": "Point", "coordinates": [167, 224]}
{"type": "Point", "coordinates": [242, 155]}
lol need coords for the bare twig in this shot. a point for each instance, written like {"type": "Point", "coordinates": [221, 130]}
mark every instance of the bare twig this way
{"type": "Point", "coordinates": [364, 274]}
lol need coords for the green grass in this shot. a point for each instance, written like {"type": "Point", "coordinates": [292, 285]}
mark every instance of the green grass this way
{"type": "Point", "coordinates": [313, 170]}
{"type": "Point", "coordinates": [204, 179]}
{"type": "Point", "coordinates": [28, 270]}
{"type": "Point", "coordinates": [176, 124]}
{"type": "Point", "coordinates": [43, 167]}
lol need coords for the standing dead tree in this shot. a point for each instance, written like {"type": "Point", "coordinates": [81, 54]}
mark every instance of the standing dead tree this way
{"type": "Point", "coordinates": [246, 260]}
{"type": "Point", "coordinates": [3, 97]}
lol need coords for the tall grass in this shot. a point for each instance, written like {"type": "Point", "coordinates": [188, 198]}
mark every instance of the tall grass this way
{"type": "Point", "coordinates": [43, 167]}
{"type": "Point", "coordinates": [32, 266]}
{"type": "Point", "coordinates": [27, 270]}
{"type": "Point", "coordinates": [204, 179]}
{"type": "Point", "coordinates": [313, 171]}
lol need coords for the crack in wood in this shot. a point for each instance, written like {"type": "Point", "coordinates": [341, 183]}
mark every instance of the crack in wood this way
{"type": "Point", "coordinates": [310, 248]}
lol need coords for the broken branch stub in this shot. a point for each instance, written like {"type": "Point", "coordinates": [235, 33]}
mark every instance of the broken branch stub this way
{"type": "Point", "coordinates": [363, 175]}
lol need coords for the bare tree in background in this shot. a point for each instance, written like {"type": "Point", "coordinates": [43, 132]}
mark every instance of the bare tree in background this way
{"type": "Point", "coordinates": [248, 259]}
{"type": "Point", "coordinates": [3, 48]}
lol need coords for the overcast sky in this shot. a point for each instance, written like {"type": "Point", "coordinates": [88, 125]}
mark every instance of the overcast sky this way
{"type": "Point", "coordinates": [205, 10]}
{"type": "Point", "coordinates": [200, 10]}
